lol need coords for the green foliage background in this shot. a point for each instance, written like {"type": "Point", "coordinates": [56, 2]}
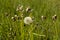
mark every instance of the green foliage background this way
{"type": "Point", "coordinates": [20, 32]}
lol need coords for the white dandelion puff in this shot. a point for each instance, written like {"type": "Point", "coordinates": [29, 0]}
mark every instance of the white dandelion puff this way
{"type": "Point", "coordinates": [28, 20]}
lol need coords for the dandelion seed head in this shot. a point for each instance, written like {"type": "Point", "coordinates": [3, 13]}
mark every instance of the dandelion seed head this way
{"type": "Point", "coordinates": [28, 20]}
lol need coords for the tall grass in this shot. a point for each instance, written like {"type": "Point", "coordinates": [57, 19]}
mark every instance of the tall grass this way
{"type": "Point", "coordinates": [38, 30]}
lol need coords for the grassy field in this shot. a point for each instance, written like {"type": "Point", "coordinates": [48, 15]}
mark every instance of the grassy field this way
{"type": "Point", "coordinates": [38, 30]}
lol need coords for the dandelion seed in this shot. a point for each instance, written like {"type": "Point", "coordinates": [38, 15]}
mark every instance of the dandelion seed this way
{"type": "Point", "coordinates": [28, 20]}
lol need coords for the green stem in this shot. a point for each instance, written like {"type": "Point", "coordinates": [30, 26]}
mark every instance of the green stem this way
{"type": "Point", "coordinates": [22, 30]}
{"type": "Point", "coordinates": [31, 35]}
{"type": "Point", "coordinates": [56, 32]}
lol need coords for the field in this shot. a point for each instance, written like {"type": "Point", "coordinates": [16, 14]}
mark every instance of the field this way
{"type": "Point", "coordinates": [16, 29]}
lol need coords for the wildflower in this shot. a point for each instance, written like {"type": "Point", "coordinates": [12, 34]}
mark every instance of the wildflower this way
{"type": "Point", "coordinates": [28, 9]}
{"type": "Point", "coordinates": [54, 17]}
{"type": "Point", "coordinates": [13, 18]}
{"type": "Point", "coordinates": [21, 15]}
{"type": "Point", "coordinates": [20, 8]}
{"type": "Point", "coordinates": [28, 20]}
{"type": "Point", "coordinates": [43, 17]}
{"type": "Point", "coordinates": [17, 17]}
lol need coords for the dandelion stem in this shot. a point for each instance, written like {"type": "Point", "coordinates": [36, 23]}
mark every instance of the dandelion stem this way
{"type": "Point", "coordinates": [22, 30]}
{"type": "Point", "coordinates": [31, 35]}
{"type": "Point", "coordinates": [30, 32]}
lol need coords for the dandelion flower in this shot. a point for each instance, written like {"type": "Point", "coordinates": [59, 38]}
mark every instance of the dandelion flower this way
{"type": "Point", "coordinates": [28, 20]}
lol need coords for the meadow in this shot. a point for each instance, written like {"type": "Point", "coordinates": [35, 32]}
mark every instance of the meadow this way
{"type": "Point", "coordinates": [16, 29]}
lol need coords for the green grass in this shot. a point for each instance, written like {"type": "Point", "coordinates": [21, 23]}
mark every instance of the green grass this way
{"type": "Point", "coordinates": [15, 30]}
